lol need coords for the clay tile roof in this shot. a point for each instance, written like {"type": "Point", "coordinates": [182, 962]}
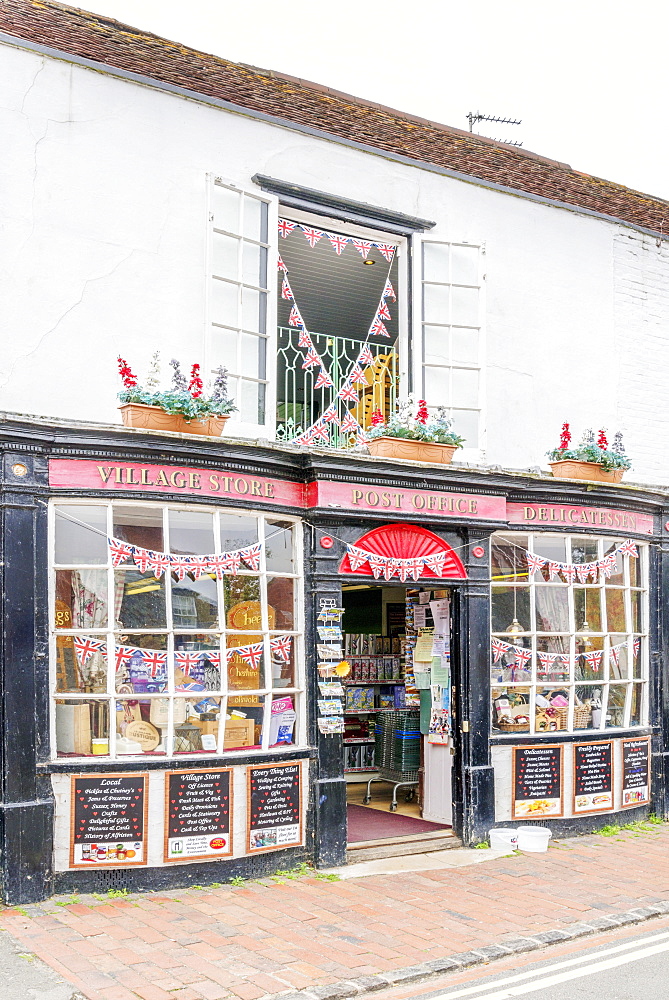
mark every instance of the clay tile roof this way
{"type": "Point", "coordinates": [79, 33]}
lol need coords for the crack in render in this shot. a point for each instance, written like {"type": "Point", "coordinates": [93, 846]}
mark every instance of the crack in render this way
{"type": "Point", "coordinates": [47, 333]}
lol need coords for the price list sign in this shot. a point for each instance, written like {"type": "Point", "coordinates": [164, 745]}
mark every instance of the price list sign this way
{"type": "Point", "coordinates": [274, 806]}
{"type": "Point", "coordinates": [108, 820]}
{"type": "Point", "coordinates": [636, 772]}
{"type": "Point", "coordinates": [198, 811]}
{"type": "Point", "coordinates": [593, 777]}
{"type": "Point", "coordinates": [537, 781]}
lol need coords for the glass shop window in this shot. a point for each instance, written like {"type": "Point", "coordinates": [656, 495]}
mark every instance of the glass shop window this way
{"type": "Point", "coordinates": [569, 633]}
{"type": "Point", "coordinates": [179, 635]}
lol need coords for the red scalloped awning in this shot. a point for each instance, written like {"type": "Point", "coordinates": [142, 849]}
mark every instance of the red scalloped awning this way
{"type": "Point", "coordinates": [406, 541]}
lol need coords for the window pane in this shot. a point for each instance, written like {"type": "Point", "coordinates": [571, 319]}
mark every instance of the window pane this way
{"type": "Point", "coordinates": [634, 565]}
{"type": "Point", "coordinates": [253, 356]}
{"type": "Point", "coordinates": [438, 386]}
{"type": "Point", "coordinates": [197, 660]}
{"type": "Point", "coordinates": [282, 721]}
{"type": "Point", "coordinates": [509, 604]}
{"type": "Point", "coordinates": [464, 265]}
{"type": "Point", "coordinates": [509, 668]}
{"type": "Point", "coordinates": [254, 265]}
{"type": "Point", "coordinates": [464, 387]}
{"type": "Point", "coordinates": [635, 625]}
{"type": "Point", "coordinates": [279, 546]}
{"type": "Point", "coordinates": [84, 542]}
{"type": "Point", "coordinates": [195, 603]}
{"type": "Point", "coordinates": [584, 550]}
{"type": "Point", "coordinates": [136, 735]}
{"type": "Point", "coordinates": [225, 256]}
{"type": "Point", "coordinates": [139, 599]}
{"type": "Point", "coordinates": [81, 598]}
{"type": "Point", "coordinates": [237, 531]}
{"type": "Point", "coordinates": [224, 344]}
{"type": "Point", "coordinates": [615, 610]}
{"type": "Point", "coordinates": [246, 662]}
{"type": "Point", "coordinates": [589, 665]}
{"type": "Point", "coordinates": [81, 664]}
{"type": "Point", "coordinates": [552, 609]}
{"type": "Point", "coordinates": [244, 724]}
{"type": "Point", "coordinates": [141, 526]}
{"type": "Point", "coordinates": [508, 559]}
{"type": "Point", "coordinates": [615, 710]}
{"type": "Point", "coordinates": [636, 714]}
{"type": "Point", "coordinates": [554, 667]}
{"type": "Point", "coordinates": [435, 261]}
{"type": "Point", "coordinates": [436, 300]}
{"type": "Point", "coordinates": [550, 547]}
{"type": "Point", "coordinates": [253, 219]}
{"type": "Point", "coordinates": [638, 650]}
{"type": "Point", "coordinates": [191, 532]}
{"type": "Point", "coordinates": [224, 303]}
{"type": "Point", "coordinates": [436, 345]}
{"type": "Point", "coordinates": [466, 423]}
{"type": "Point", "coordinates": [464, 345]}
{"type": "Point", "coordinates": [511, 705]}
{"type": "Point", "coordinates": [617, 576]}
{"type": "Point", "coordinates": [196, 725]}
{"type": "Point", "coordinates": [588, 706]}
{"type": "Point", "coordinates": [552, 707]}
{"type": "Point", "coordinates": [281, 602]}
{"type": "Point", "coordinates": [587, 609]}
{"type": "Point", "coordinates": [465, 306]}
{"type": "Point", "coordinates": [283, 662]}
{"type": "Point", "coordinates": [78, 724]}
{"type": "Point", "coordinates": [251, 402]}
{"type": "Point", "coordinates": [618, 657]}
{"type": "Point", "coordinates": [242, 603]}
{"type": "Point", "coordinates": [225, 207]}
{"type": "Point", "coordinates": [140, 663]}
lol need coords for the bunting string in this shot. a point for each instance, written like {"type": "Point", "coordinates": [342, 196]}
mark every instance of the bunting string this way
{"type": "Point", "coordinates": [218, 564]}
{"type": "Point", "coordinates": [388, 566]}
{"type": "Point", "coordinates": [547, 661]}
{"type": "Point", "coordinates": [190, 662]}
{"type": "Point", "coordinates": [597, 569]}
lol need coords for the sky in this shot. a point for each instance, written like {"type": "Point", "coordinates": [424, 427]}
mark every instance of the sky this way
{"type": "Point", "coordinates": [588, 79]}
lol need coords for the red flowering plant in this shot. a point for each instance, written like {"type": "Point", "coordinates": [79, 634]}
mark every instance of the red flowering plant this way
{"type": "Point", "coordinates": [184, 397]}
{"type": "Point", "coordinates": [419, 427]}
{"type": "Point", "coordinates": [591, 450]}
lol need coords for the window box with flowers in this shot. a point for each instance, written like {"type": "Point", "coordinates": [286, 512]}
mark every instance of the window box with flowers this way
{"type": "Point", "coordinates": [417, 439]}
{"type": "Point", "coordinates": [591, 460]}
{"type": "Point", "coordinates": [183, 408]}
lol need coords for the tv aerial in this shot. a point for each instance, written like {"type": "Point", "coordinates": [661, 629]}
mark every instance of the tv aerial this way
{"type": "Point", "coordinates": [474, 117]}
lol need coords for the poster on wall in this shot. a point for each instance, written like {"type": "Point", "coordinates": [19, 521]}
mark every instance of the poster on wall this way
{"type": "Point", "coordinates": [593, 777]}
{"type": "Point", "coordinates": [537, 781]}
{"type": "Point", "coordinates": [108, 820]}
{"type": "Point", "coordinates": [636, 772]}
{"type": "Point", "coordinates": [198, 814]}
{"type": "Point", "coordinates": [274, 806]}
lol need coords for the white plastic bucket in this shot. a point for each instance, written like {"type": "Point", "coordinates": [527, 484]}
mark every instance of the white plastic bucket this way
{"type": "Point", "coordinates": [533, 838]}
{"type": "Point", "coordinates": [503, 838]}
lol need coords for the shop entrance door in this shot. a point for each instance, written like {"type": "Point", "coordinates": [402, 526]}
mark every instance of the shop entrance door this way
{"type": "Point", "coordinates": [398, 745]}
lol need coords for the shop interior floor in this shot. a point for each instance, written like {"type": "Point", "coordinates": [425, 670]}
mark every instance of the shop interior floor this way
{"type": "Point", "coordinates": [382, 793]}
{"type": "Point", "coordinates": [372, 824]}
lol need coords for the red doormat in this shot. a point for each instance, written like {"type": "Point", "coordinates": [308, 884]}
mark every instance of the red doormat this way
{"type": "Point", "coordinates": [374, 824]}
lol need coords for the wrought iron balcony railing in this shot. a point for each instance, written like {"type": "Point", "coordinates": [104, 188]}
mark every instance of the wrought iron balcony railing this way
{"type": "Point", "coordinates": [299, 404]}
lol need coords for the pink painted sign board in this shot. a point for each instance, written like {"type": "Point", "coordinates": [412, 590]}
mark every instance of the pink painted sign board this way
{"type": "Point", "coordinates": [579, 518]}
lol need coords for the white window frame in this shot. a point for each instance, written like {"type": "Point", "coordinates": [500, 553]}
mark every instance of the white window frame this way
{"type": "Point", "coordinates": [236, 426]}
{"type": "Point", "coordinates": [298, 692]}
{"type": "Point", "coordinates": [467, 453]}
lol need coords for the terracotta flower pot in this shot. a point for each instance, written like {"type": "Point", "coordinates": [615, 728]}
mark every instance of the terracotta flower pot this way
{"type": "Point", "coordinates": [569, 468]}
{"type": "Point", "coordinates": [413, 451]}
{"type": "Point", "coordinates": [156, 419]}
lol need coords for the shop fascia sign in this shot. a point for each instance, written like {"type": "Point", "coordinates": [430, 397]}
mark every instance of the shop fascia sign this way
{"type": "Point", "coordinates": [86, 474]}
{"type": "Point", "coordinates": [575, 517]}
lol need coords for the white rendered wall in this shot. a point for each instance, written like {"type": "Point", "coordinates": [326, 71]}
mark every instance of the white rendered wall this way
{"type": "Point", "coordinates": [103, 214]}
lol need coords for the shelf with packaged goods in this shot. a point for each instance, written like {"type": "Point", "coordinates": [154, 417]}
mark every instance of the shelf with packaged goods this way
{"type": "Point", "coordinates": [393, 683]}
{"type": "Point", "coordinates": [369, 739]}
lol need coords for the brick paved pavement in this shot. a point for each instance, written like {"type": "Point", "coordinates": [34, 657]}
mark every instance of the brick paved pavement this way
{"type": "Point", "coordinates": [268, 938]}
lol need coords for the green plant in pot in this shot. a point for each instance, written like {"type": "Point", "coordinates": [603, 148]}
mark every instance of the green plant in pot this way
{"type": "Point", "coordinates": [184, 407]}
{"type": "Point", "coordinates": [419, 438]}
{"type": "Point", "coordinates": [592, 459]}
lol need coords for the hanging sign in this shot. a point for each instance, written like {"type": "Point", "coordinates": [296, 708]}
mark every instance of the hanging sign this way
{"type": "Point", "coordinates": [537, 781]}
{"type": "Point", "coordinates": [274, 806]}
{"type": "Point", "coordinates": [593, 777]}
{"type": "Point", "coordinates": [198, 814]}
{"type": "Point", "coordinates": [636, 772]}
{"type": "Point", "coordinates": [571, 516]}
{"type": "Point", "coordinates": [108, 820]}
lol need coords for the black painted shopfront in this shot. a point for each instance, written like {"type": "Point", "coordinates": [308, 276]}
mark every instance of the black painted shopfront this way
{"type": "Point", "coordinates": [153, 764]}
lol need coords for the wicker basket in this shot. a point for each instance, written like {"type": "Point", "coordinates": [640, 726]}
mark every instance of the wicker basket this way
{"type": "Point", "coordinates": [581, 717]}
{"type": "Point", "coordinates": [507, 725]}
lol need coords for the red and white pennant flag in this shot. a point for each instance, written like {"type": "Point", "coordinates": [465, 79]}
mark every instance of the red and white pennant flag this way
{"type": "Point", "coordinates": [119, 551]}
{"type": "Point", "coordinates": [286, 227]}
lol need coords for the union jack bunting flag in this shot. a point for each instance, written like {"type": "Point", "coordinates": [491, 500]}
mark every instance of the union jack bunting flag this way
{"type": "Point", "coordinates": [363, 247]}
{"type": "Point", "coordinates": [86, 646]}
{"type": "Point", "coordinates": [187, 661]}
{"type": "Point", "coordinates": [416, 569]}
{"type": "Point", "coordinates": [330, 415]}
{"type": "Point", "coordinates": [217, 564]}
{"type": "Point", "coordinates": [251, 555]}
{"type": "Point", "coordinates": [286, 290]}
{"type": "Point", "coordinates": [286, 227]}
{"type": "Point", "coordinates": [160, 563]}
{"type": "Point", "coordinates": [390, 569]}
{"type": "Point", "coordinates": [387, 249]}
{"type": "Point", "coordinates": [361, 437]}
{"type": "Point", "coordinates": [403, 570]}
{"type": "Point", "coordinates": [311, 359]}
{"type": "Point", "coordinates": [379, 328]}
{"type": "Point", "coordinates": [231, 562]}
{"type": "Point", "coordinates": [547, 659]}
{"type": "Point", "coordinates": [180, 566]}
{"type": "Point", "coordinates": [582, 571]}
{"type": "Point", "coordinates": [320, 430]}
{"type": "Point", "coordinates": [593, 659]}
{"type": "Point", "coordinates": [376, 564]}
{"type": "Point", "coordinates": [605, 566]}
{"type": "Point", "coordinates": [553, 569]}
{"type": "Point", "coordinates": [323, 381]}
{"type": "Point", "coordinates": [251, 654]}
{"type": "Point", "coordinates": [295, 319]}
{"type": "Point", "coordinates": [198, 565]}
{"type": "Point", "coordinates": [522, 655]}
{"type": "Point", "coordinates": [384, 311]}
{"type": "Point", "coordinates": [348, 392]}
{"type": "Point", "coordinates": [214, 658]}
{"type": "Point", "coordinates": [155, 660]}
{"type": "Point", "coordinates": [636, 646]}
{"type": "Point", "coordinates": [280, 264]}
{"type": "Point", "coordinates": [303, 439]}
{"type": "Point", "coordinates": [142, 558]}
{"type": "Point", "coordinates": [312, 235]}
{"type": "Point", "coordinates": [122, 656]}
{"type": "Point", "coordinates": [614, 652]}
{"type": "Point", "coordinates": [280, 646]}
{"type": "Point", "coordinates": [365, 357]}
{"type": "Point", "coordinates": [304, 340]}
{"type": "Point", "coordinates": [534, 562]}
{"type": "Point", "coordinates": [389, 291]}
{"type": "Point", "coordinates": [119, 551]}
{"type": "Point", "coordinates": [499, 648]}
{"type": "Point", "coordinates": [349, 423]}
{"type": "Point", "coordinates": [435, 562]}
{"type": "Point", "coordinates": [356, 557]}
{"type": "Point", "coordinates": [338, 242]}
{"type": "Point", "coordinates": [628, 548]}
{"type": "Point", "coordinates": [357, 375]}
{"type": "Point", "coordinates": [568, 571]}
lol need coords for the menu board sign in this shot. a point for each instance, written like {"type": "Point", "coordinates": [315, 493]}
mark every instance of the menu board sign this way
{"type": "Point", "coordinates": [108, 820]}
{"type": "Point", "coordinates": [198, 811]}
{"type": "Point", "coordinates": [537, 781]}
{"type": "Point", "coordinates": [636, 772]}
{"type": "Point", "coordinates": [274, 807]}
{"type": "Point", "coordinates": [593, 777]}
